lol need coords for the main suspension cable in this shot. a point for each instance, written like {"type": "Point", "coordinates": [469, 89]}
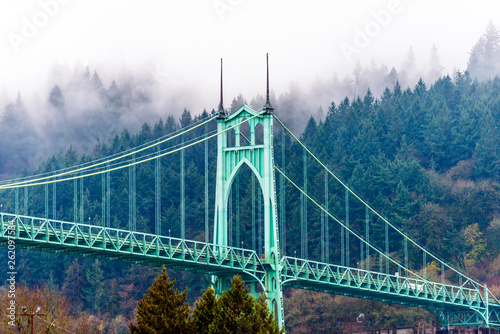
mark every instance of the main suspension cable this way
{"type": "Point", "coordinates": [373, 210]}
{"type": "Point", "coordinates": [104, 160]}
{"type": "Point", "coordinates": [152, 157]}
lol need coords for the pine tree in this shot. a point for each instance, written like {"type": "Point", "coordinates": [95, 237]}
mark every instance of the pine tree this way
{"type": "Point", "coordinates": [73, 283]}
{"type": "Point", "coordinates": [186, 118]}
{"type": "Point", "coordinates": [96, 81]}
{"type": "Point", "coordinates": [163, 309]}
{"type": "Point", "coordinates": [484, 56]}
{"type": "Point", "coordinates": [204, 312]}
{"type": "Point", "coordinates": [56, 98]}
{"type": "Point", "coordinates": [435, 68]}
{"type": "Point", "coordinates": [238, 102]}
{"type": "Point", "coordinates": [234, 309]}
{"type": "Point", "coordinates": [238, 312]}
{"type": "Point", "coordinates": [94, 293]}
{"type": "Point", "coordinates": [264, 320]}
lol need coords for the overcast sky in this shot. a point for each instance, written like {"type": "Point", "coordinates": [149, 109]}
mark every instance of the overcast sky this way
{"type": "Point", "coordinates": [186, 39]}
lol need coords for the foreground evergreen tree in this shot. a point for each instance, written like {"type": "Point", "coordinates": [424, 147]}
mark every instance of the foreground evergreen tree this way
{"type": "Point", "coordinates": [204, 312]}
{"type": "Point", "coordinates": [163, 309]}
{"type": "Point", "coordinates": [238, 312]}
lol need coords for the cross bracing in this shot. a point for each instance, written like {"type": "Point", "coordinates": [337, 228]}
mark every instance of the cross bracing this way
{"type": "Point", "coordinates": [462, 305]}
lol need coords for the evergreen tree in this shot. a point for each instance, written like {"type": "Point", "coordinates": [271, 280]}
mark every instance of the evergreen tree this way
{"type": "Point", "coordinates": [94, 293]}
{"type": "Point", "coordinates": [238, 102]}
{"type": "Point", "coordinates": [204, 312]}
{"type": "Point", "coordinates": [163, 309]}
{"type": "Point", "coordinates": [409, 71]}
{"type": "Point", "coordinates": [96, 81]}
{"type": "Point", "coordinates": [73, 283]}
{"type": "Point", "coordinates": [485, 55]}
{"type": "Point", "coordinates": [186, 118]}
{"type": "Point", "coordinates": [238, 312]}
{"type": "Point", "coordinates": [56, 98]}
{"type": "Point", "coordinates": [234, 309]}
{"type": "Point", "coordinates": [435, 68]}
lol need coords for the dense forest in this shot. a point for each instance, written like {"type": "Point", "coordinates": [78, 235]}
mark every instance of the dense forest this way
{"type": "Point", "coordinates": [426, 157]}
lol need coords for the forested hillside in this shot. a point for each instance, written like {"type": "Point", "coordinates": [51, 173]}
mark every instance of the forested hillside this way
{"type": "Point", "coordinates": [426, 157]}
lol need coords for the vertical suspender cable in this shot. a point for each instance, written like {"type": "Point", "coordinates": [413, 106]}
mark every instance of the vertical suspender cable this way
{"type": "Point", "coordinates": [327, 232]}
{"type": "Point", "coordinates": [54, 198]}
{"type": "Point", "coordinates": [442, 272]}
{"type": "Point", "coordinates": [108, 197]}
{"type": "Point", "coordinates": [81, 199]}
{"type": "Point", "coordinates": [361, 253]}
{"type": "Point", "coordinates": [380, 263]}
{"type": "Point", "coordinates": [134, 196]}
{"type": "Point", "coordinates": [367, 237]}
{"type": "Point", "coordinates": [46, 201]}
{"type": "Point", "coordinates": [158, 192]}
{"type": "Point", "coordinates": [322, 236]}
{"type": "Point", "coordinates": [230, 219]}
{"type": "Point", "coordinates": [406, 255]}
{"type": "Point", "coordinates": [207, 231]}
{"type": "Point", "coordinates": [304, 210]}
{"type": "Point", "coordinates": [130, 202]}
{"type": "Point", "coordinates": [260, 221]}
{"type": "Point", "coordinates": [183, 195]}
{"type": "Point", "coordinates": [238, 236]}
{"type": "Point", "coordinates": [254, 245]}
{"type": "Point", "coordinates": [75, 200]}
{"type": "Point", "coordinates": [17, 201]}
{"type": "Point", "coordinates": [103, 199]}
{"type": "Point", "coordinates": [387, 248]}
{"type": "Point", "coordinates": [347, 257]}
{"type": "Point", "coordinates": [282, 194]}
{"type": "Point", "coordinates": [302, 198]}
{"type": "Point", "coordinates": [342, 246]}
{"type": "Point", "coordinates": [132, 209]}
{"type": "Point", "coordinates": [424, 260]}
{"type": "Point", "coordinates": [26, 201]}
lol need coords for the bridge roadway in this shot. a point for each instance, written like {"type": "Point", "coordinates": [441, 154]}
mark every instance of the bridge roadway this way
{"type": "Point", "coordinates": [464, 304]}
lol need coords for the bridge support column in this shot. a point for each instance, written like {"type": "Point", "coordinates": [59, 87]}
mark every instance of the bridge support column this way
{"type": "Point", "coordinates": [259, 157]}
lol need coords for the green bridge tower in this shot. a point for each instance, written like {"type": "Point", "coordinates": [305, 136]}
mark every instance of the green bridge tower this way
{"type": "Point", "coordinates": [259, 157]}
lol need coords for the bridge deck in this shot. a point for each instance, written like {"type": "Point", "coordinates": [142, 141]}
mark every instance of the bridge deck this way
{"type": "Point", "coordinates": [137, 247]}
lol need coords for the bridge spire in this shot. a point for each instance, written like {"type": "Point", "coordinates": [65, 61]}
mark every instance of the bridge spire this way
{"type": "Point", "coordinates": [260, 160]}
{"type": "Point", "coordinates": [269, 108]}
{"type": "Point", "coordinates": [222, 113]}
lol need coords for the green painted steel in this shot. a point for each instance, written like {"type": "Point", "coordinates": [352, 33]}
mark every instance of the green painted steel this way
{"type": "Point", "coordinates": [207, 231]}
{"type": "Point", "coordinates": [183, 192]}
{"type": "Point", "coordinates": [26, 201]}
{"type": "Point", "coordinates": [158, 192]}
{"type": "Point", "coordinates": [467, 303]}
{"type": "Point", "coordinates": [231, 156]}
{"type": "Point", "coordinates": [114, 244]}
{"type": "Point", "coordinates": [457, 305]}
{"type": "Point", "coordinates": [282, 195]}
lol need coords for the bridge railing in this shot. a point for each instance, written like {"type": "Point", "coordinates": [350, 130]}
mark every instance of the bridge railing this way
{"type": "Point", "coordinates": [130, 246]}
{"type": "Point", "coordinates": [344, 280]}
{"type": "Point", "coordinates": [124, 245]}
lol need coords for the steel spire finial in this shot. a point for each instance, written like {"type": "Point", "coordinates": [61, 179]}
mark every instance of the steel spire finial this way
{"type": "Point", "coordinates": [221, 111]}
{"type": "Point", "coordinates": [269, 108]}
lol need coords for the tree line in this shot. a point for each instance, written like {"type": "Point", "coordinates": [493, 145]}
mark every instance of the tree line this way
{"type": "Point", "coordinates": [426, 157]}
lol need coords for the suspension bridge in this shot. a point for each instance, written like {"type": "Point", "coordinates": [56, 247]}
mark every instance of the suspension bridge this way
{"type": "Point", "coordinates": [246, 138]}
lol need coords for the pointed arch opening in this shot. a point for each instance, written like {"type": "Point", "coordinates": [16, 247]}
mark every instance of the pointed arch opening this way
{"type": "Point", "coordinates": [246, 211]}
{"type": "Point", "coordinates": [259, 134]}
{"type": "Point", "coordinates": [231, 138]}
{"type": "Point", "coordinates": [245, 134]}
